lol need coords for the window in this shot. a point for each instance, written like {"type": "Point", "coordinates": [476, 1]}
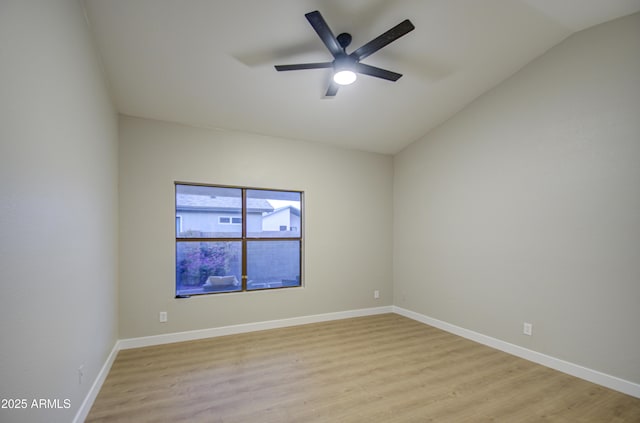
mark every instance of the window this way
{"type": "Point", "coordinates": [228, 220]}
{"type": "Point", "coordinates": [233, 239]}
{"type": "Point", "coordinates": [178, 224]}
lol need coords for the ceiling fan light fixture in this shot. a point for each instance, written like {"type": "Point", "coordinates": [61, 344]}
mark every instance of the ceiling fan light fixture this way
{"type": "Point", "coordinates": [344, 77]}
{"type": "Point", "coordinates": [346, 65]}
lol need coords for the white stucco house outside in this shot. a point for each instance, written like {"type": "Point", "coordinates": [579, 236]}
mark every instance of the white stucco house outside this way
{"type": "Point", "coordinates": [204, 216]}
{"type": "Point", "coordinates": [282, 219]}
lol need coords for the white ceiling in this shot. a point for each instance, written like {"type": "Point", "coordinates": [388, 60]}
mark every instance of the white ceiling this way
{"type": "Point", "coordinates": [210, 62]}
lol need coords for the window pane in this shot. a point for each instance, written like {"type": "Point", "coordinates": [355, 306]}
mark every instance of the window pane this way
{"type": "Point", "coordinates": [273, 264]}
{"type": "Point", "coordinates": [273, 213]}
{"type": "Point", "coordinates": [208, 212]}
{"type": "Point", "coordinates": [203, 267]}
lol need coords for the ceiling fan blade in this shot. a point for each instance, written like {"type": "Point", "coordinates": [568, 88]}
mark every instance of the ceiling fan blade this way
{"type": "Point", "coordinates": [303, 66]}
{"type": "Point", "coordinates": [377, 72]}
{"type": "Point", "coordinates": [377, 43]}
{"type": "Point", "coordinates": [332, 90]}
{"type": "Point", "coordinates": [324, 32]}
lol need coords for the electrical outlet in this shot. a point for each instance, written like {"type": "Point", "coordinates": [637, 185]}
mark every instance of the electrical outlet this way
{"type": "Point", "coordinates": [163, 317]}
{"type": "Point", "coordinates": [376, 294]}
{"type": "Point", "coordinates": [527, 329]}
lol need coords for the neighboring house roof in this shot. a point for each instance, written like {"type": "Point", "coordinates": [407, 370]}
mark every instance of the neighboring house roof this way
{"type": "Point", "coordinates": [209, 203]}
{"type": "Point", "coordinates": [292, 210]}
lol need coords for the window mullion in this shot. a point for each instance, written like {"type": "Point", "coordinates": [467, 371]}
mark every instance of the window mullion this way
{"type": "Point", "coordinates": [244, 240]}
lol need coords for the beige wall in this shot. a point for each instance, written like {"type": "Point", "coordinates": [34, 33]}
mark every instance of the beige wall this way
{"type": "Point", "coordinates": [58, 210]}
{"type": "Point", "coordinates": [348, 233]}
{"type": "Point", "coordinates": [526, 207]}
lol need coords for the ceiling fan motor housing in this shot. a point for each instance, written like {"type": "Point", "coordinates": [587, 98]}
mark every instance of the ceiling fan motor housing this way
{"type": "Point", "coordinates": [345, 62]}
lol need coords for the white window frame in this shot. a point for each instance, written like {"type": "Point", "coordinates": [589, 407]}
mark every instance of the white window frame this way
{"type": "Point", "coordinates": [230, 222]}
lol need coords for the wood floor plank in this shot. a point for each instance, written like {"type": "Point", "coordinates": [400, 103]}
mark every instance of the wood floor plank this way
{"type": "Point", "coordinates": [383, 368]}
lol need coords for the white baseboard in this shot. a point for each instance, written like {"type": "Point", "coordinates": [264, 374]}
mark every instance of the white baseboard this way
{"type": "Point", "coordinates": [146, 341]}
{"type": "Point", "coordinates": [85, 407]}
{"type": "Point", "coordinates": [590, 375]}
{"type": "Point", "coordinates": [572, 369]}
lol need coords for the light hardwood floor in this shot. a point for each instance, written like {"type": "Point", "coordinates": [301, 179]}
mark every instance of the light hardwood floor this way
{"type": "Point", "coordinates": [383, 368]}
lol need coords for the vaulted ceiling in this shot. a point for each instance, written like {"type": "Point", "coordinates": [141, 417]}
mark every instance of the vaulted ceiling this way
{"type": "Point", "coordinates": [211, 63]}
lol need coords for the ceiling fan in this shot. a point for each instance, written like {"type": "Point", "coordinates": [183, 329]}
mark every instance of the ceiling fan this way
{"type": "Point", "coordinates": [345, 66]}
